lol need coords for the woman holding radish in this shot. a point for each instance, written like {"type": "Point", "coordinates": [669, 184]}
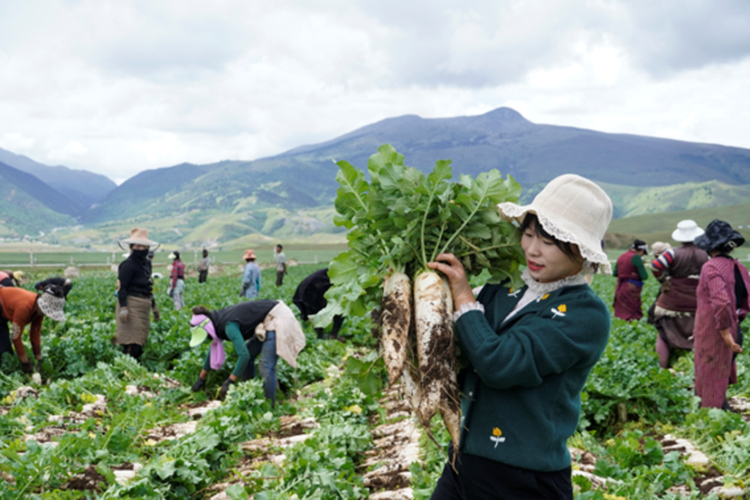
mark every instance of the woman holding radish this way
{"type": "Point", "coordinates": [529, 350]}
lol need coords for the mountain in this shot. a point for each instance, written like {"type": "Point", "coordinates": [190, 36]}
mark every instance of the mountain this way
{"type": "Point", "coordinates": [533, 153]}
{"type": "Point", "coordinates": [29, 206]}
{"type": "Point", "coordinates": [290, 195]}
{"type": "Point", "coordinates": [84, 188]}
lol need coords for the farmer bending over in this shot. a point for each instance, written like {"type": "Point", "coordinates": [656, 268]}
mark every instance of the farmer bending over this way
{"type": "Point", "coordinates": [259, 327]}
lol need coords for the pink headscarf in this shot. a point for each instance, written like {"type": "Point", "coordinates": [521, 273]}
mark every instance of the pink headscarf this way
{"type": "Point", "coordinates": [217, 346]}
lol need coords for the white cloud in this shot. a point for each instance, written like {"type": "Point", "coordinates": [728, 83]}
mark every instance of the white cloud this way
{"type": "Point", "coordinates": [121, 86]}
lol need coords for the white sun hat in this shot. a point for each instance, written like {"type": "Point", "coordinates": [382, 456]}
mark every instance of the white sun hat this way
{"type": "Point", "coordinates": [687, 230]}
{"type": "Point", "coordinates": [571, 209]}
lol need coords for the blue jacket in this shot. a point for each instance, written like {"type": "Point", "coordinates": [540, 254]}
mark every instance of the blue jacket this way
{"type": "Point", "coordinates": [251, 280]}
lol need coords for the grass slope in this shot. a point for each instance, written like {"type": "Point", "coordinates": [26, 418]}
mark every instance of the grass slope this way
{"type": "Point", "coordinates": [659, 226]}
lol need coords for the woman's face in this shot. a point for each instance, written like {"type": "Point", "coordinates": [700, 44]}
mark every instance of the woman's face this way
{"type": "Point", "coordinates": [138, 247]}
{"type": "Point", "coordinates": [545, 261]}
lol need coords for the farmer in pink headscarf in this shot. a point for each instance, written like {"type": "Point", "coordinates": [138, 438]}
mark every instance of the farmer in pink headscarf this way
{"type": "Point", "coordinates": [259, 327]}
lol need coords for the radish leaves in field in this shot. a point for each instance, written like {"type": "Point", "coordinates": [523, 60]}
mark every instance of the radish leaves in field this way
{"type": "Point", "coordinates": [402, 219]}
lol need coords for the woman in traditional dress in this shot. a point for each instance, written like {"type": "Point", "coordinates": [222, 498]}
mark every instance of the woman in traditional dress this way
{"type": "Point", "coordinates": [135, 298]}
{"type": "Point", "coordinates": [529, 350]}
{"type": "Point", "coordinates": [678, 270]}
{"type": "Point", "coordinates": [723, 303]}
{"type": "Point", "coordinates": [630, 274]}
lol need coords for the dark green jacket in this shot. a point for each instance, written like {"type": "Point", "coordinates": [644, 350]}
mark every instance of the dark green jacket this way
{"type": "Point", "coordinates": [521, 392]}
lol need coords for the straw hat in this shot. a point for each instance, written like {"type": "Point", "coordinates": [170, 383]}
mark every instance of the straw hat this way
{"type": "Point", "coordinates": [249, 255]}
{"type": "Point", "coordinates": [572, 209]}
{"type": "Point", "coordinates": [51, 302]}
{"type": "Point", "coordinates": [138, 236]}
{"type": "Point", "coordinates": [686, 232]}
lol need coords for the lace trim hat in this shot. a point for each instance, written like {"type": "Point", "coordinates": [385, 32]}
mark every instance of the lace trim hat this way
{"type": "Point", "coordinates": [572, 209]}
{"type": "Point", "coordinates": [138, 236]}
{"type": "Point", "coordinates": [51, 302]}
{"type": "Point", "coordinates": [686, 232]}
{"type": "Point", "coordinates": [718, 234]}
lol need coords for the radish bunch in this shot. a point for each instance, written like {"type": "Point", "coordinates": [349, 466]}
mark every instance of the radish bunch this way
{"type": "Point", "coordinates": [398, 222]}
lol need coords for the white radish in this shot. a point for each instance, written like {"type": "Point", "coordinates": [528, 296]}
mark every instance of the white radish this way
{"type": "Point", "coordinates": [396, 312]}
{"type": "Point", "coordinates": [435, 349]}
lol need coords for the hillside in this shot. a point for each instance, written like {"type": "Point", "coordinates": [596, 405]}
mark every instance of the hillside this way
{"type": "Point", "coordinates": [28, 206]}
{"type": "Point", "coordinates": [659, 226]}
{"type": "Point", "coordinates": [82, 187]}
{"type": "Point", "coordinates": [630, 201]}
{"type": "Point", "coordinates": [290, 195]}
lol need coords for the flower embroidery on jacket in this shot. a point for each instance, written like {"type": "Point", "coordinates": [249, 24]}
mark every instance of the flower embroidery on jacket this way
{"type": "Point", "coordinates": [559, 312]}
{"type": "Point", "coordinates": [543, 297]}
{"type": "Point", "coordinates": [513, 292]}
{"type": "Point", "coordinates": [497, 436]}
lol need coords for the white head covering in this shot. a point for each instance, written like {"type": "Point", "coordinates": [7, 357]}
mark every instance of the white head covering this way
{"type": "Point", "coordinates": [687, 230]}
{"type": "Point", "coordinates": [571, 209]}
{"type": "Point", "coordinates": [51, 304]}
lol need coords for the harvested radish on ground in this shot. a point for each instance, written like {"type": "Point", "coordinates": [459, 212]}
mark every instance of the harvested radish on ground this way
{"type": "Point", "coordinates": [395, 317]}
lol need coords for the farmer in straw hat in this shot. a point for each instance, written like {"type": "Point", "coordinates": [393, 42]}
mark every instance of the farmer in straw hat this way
{"type": "Point", "coordinates": [530, 350]}
{"type": "Point", "coordinates": [135, 299]}
{"type": "Point", "coordinates": [250, 276]}
{"type": "Point", "coordinates": [22, 307]}
{"type": "Point", "coordinates": [678, 270]}
{"type": "Point", "coordinates": [723, 302]}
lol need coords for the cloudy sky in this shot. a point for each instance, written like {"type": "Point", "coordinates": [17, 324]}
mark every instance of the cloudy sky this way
{"type": "Point", "coordinates": [117, 87]}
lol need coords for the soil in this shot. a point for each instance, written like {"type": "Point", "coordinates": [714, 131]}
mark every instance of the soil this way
{"type": "Point", "coordinates": [89, 480]}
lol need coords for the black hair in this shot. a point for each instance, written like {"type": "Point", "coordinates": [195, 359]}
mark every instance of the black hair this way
{"type": "Point", "coordinates": [202, 310]}
{"type": "Point", "coordinates": [569, 249]}
{"type": "Point", "coordinates": [176, 254]}
{"type": "Point", "coordinates": [205, 252]}
{"type": "Point", "coordinates": [280, 246]}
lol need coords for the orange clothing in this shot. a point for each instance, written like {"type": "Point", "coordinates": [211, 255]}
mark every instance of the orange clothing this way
{"type": "Point", "coordinates": [19, 307]}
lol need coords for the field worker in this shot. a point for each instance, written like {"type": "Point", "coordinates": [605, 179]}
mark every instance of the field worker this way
{"type": "Point", "coordinates": [280, 264]}
{"type": "Point", "coordinates": [530, 349]}
{"type": "Point", "coordinates": [65, 283]}
{"type": "Point", "coordinates": [177, 281]}
{"type": "Point", "coordinates": [135, 299]}
{"type": "Point", "coordinates": [630, 274]}
{"type": "Point", "coordinates": [22, 307]}
{"type": "Point", "coordinates": [722, 298]}
{"type": "Point", "coordinates": [250, 276]}
{"type": "Point", "coordinates": [11, 278]}
{"type": "Point", "coordinates": [203, 266]}
{"type": "Point", "coordinates": [258, 327]}
{"type": "Point", "coordinates": [678, 270]}
{"type": "Point", "coordinates": [309, 297]}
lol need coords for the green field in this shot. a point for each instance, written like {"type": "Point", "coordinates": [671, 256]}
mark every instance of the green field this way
{"type": "Point", "coordinates": [300, 252]}
{"type": "Point", "coordinates": [105, 427]}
